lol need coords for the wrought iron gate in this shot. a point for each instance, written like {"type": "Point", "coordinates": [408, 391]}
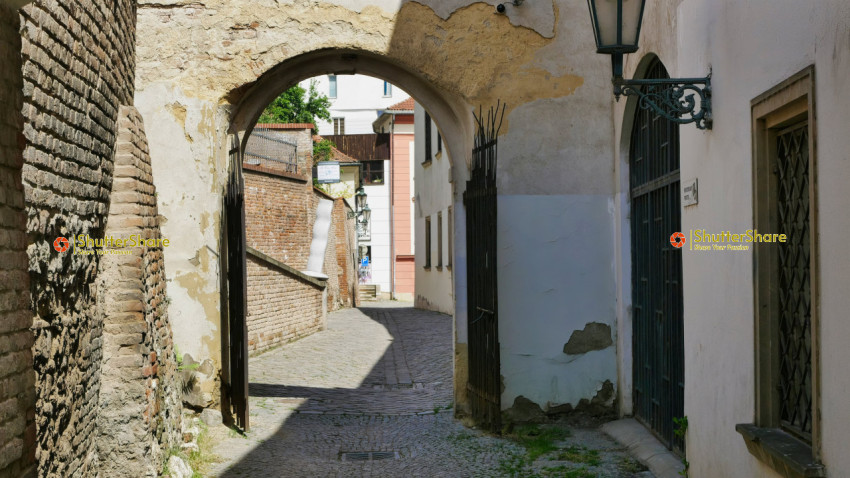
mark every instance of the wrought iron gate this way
{"type": "Point", "coordinates": [235, 343]}
{"type": "Point", "coordinates": [484, 384]}
{"type": "Point", "coordinates": [657, 310]}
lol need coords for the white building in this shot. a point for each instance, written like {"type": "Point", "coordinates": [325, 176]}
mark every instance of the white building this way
{"type": "Point", "coordinates": [355, 101]}
{"type": "Point", "coordinates": [433, 216]}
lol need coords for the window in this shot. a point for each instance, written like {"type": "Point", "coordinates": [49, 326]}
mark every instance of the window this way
{"type": "Point", "coordinates": [439, 142]}
{"type": "Point", "coordinates": [786, 309]}
{"type": "Point", "coordinates": [427, 242]}
{"type": "Point", "coordinates": [427, 139]}
{"type": "Point", "coordinates": [439, 240]}
{"type": "Point", "coordinates": [449, 239]}
{"type": "Point", "coordinates": [332, 86]}
{"type": "Point", "coordinates": [339, 125]}
{"type": "Point", "coordinates": [388, 88]}
{"type": "Point", "coordinates": [373, 172]}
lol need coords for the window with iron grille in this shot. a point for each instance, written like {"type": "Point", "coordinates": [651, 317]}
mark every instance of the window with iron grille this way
{"type": "Point", "coordinates": [373, 172]}
{"type": "Point", "coordinates": [787, 378]}
{"type": "Point", "coordinates": [388, 88]}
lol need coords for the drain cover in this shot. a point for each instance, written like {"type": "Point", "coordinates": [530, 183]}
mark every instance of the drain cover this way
{"type": "Point", "coordinates": [367, 455]}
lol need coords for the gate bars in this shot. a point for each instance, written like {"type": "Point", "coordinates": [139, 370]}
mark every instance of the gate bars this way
{"type": "Point", "coordinates": [235, 272]}
{"type": "Point", "coordinates": [484, 384]}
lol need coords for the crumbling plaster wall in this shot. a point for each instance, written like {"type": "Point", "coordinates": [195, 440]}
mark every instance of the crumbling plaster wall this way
{"type": "Point", "coordinates": [207, 68]}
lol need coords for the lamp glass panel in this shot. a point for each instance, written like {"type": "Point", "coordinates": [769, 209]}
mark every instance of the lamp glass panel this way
{"type": "Point", "coordinates": [367, 214]}
{"type": "Point", "coordinates": [632, 10]}
{"type": "Point", "coordinates": [606, 19]}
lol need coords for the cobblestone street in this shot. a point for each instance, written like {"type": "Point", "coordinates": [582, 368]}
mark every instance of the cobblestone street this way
{"type": "Point", "coordinates": [372, 396]}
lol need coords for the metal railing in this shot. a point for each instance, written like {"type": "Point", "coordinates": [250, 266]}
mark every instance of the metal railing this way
{"type": "Point", "coordinates": [266, 150]}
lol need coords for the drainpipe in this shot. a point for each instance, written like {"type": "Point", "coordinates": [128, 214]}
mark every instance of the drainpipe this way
{"type": "Point", "coordinates": [392, 201]}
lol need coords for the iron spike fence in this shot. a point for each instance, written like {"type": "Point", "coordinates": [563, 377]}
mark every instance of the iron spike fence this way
{"type": "Point", "coordinates": [484, 384]}
{"type": "Point", "coordinates": [266, 150]}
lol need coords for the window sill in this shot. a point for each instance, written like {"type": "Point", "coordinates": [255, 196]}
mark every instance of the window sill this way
{"type": "Point", "coordinates": [426, 163]}
{"type": "Point", "coordinates": [438, 155]}
{"type": "Point", "coordinates": [427, 268]}
{"type": "Point", "coordinates": [789, 456]}
{"type": "Point", "coordinates": [439, 268]}
{"type": "Point", "coordinates": [449, 267]}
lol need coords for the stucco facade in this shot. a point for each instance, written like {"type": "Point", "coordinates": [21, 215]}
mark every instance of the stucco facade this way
{"type": "Point", "coordinates": [750, 47]}
{"type": "Point", "coordinates": [207, 70]}
{"type": "Point", "coordinates": [433, 199]}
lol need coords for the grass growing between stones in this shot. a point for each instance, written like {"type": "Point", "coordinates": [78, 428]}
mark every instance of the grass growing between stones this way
{"type": "Point", "coordinates": [538, 440]}
{"type": "Point", "coordinates": [579, 454]}
{"type": "Point", "coordinates": [202, 460]}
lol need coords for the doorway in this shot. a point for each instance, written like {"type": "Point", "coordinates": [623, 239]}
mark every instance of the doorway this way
{"type": "Point", "coordinates": [657, 310]}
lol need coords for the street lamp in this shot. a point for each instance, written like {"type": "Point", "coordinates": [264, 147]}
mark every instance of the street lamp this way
{"type": "Point", "coordinates": [616, 29]}
{"type": "Point", "coordinates": [361, 209]}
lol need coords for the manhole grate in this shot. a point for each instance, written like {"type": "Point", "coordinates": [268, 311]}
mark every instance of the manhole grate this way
{"type": "Point", "coordinates": [367, 455]}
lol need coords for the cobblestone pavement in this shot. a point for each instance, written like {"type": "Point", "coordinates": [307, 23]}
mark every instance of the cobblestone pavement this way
{"type": "Point", "coordinates": [371, 396]}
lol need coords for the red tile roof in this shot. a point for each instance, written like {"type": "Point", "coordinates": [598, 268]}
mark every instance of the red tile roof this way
{"type": "Point", "coordinates": [406, 105]}
{"type": "Point", "coordinates": [286, 125]}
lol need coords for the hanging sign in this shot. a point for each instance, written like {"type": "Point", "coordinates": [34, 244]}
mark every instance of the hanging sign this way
{"type": "Point", "coordinates": [327, 172]}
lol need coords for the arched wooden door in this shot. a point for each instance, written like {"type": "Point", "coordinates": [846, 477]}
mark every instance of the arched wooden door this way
{"type": "Point", "coordinates": [658, 342]}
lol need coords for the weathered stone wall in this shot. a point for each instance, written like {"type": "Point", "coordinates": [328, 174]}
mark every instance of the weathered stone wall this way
{"type": "Point", "coordinates": [282, 306]}
{"type": "Point", "coordinates": [279, 216]}
{"type": "Point", "coordinates": [17, 379]}
{"type": "Point", "coordinates": [78, 67]}
{"type": "Point", "coordinates": [140, 404]}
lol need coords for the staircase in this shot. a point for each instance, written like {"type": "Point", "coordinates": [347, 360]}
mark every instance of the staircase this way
{"type": "Point", "coordinates": [368, 292]}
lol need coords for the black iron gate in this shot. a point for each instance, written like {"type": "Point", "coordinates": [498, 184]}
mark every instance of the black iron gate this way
{"type": "Point", "coordinates": [482, 317]}
{"type": "Point", "coordinates": [657, 340]}
{"type": "Point", "coordinates": [235, 337]}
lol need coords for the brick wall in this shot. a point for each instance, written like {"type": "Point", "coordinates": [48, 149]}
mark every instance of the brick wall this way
{"type": "Point", "coordinates": [17, 379]}
{"type": "Point", "coordinates": [78, 62]}
{"type": "Point", "coordinates": [341, 263]}
{"type": "Point", "coordinates": [281, 305]}
{"type": "Point", "coordinates": [140, 404]}
{"type": "Point", "coordinates": [279, 216]}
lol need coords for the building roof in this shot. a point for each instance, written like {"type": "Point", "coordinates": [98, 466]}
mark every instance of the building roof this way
{"type": "Point", "coordinates": [406, 105]}
{"type": "Point", "coordinates": [336, 154]}
{"type": "Point", "coordinates": [286, 125]}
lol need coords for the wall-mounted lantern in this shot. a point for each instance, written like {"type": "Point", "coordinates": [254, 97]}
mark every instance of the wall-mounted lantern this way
{"type": "Point", "coordinates": [616, 28]}
{"type": "Point", "coordinates": [362, 209]}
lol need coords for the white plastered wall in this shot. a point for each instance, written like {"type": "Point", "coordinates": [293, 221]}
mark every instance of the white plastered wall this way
{"type": "Point", "coordinates": [750, 47]}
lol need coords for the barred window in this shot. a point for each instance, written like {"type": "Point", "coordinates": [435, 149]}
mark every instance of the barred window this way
{"type": "Point", "coordinates": [786, 322]}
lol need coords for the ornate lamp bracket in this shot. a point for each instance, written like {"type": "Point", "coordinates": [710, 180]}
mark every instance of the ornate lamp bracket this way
{"type": "Point", "coordinates": [673, 98]}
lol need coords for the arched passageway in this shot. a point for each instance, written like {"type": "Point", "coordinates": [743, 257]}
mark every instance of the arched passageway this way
{"type": "Point", "coordinates": [450, 116]}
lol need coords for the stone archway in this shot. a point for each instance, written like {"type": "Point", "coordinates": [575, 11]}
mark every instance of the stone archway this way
{"type": "Point", "coordinates": [206, 69]}
{"type": "Point", "coordinates": [451, 114]}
